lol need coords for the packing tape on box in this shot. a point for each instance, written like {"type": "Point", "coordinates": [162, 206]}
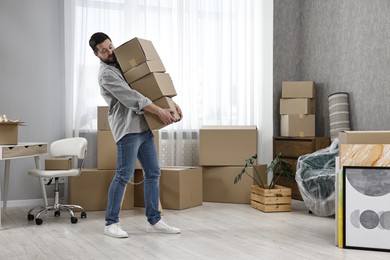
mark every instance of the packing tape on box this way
{"type": "Point", "coordinates": [300, 116]}
{"type": "Point", "coordinates": [133, 63]}
{"type": "Point", "coordinates": [301, 134]}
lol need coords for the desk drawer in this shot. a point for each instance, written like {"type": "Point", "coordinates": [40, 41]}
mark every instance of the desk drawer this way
{"type": "Point", "coordinates": [21, 151]}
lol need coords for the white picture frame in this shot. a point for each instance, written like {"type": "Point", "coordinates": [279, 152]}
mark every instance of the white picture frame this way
{"type": "Point", "coordinates": [366, 208]}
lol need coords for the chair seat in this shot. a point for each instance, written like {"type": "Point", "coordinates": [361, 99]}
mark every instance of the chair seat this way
{"type": "Point", "coordinates": [54, 173]}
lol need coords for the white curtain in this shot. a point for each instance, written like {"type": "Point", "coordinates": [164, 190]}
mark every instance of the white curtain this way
{"type": "Point", "coordinates": [218, 53]}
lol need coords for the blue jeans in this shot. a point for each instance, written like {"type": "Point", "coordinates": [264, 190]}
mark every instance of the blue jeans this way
{"type": "Point", "coordinates": [131, 147]}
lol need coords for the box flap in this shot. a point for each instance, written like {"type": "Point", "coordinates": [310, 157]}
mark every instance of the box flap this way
{"type": "Point", "coordinates": [12, 123]}
{"type": "Point", "coordinates": [228, 127]}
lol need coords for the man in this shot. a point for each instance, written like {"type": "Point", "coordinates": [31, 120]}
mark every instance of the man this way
{"type": "Point", "coordinates": [133, 138]}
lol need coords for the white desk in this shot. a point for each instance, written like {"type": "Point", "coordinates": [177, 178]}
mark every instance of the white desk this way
{"type": "Point", "coordinates": [21, 150]}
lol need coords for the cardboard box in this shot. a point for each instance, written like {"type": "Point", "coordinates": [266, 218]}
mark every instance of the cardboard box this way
{"type": "Point", "coordinates": [364, 137]}
{"type": "Point", "coordinates": [260, 177]}
{"type": "Point", "coordinates": [181, 187]}
{"type": "Point", "coordinates": [90, 189]}
{"type": "Point", "coordinates": [64, 163]}
{"type": "Point", "coordinates": [153, 120]}
{"type": "Point", "coordinates": [290, 106]}
{"type": "Point", "coordinates": [298, 89]}
{"type": "Point", "coordinates": [218, 184]}
{"type": "Point", "coordinates": [226, 145]}
{"type": "Point", "coordinates": [155, 86]}
{"type": "Point", "coordinates": [134, 52]}
{"type": "Point", "coordinates": [138, 179]}
{"type": "Point", "coordinates": [107, 150]}
{"type": "Point", "coordinates": [9, 133]}
{"type": "Point", "coordinates": [144, 69]}
{"type": "Point", "coordinates": [102, 118]}
{"type": "Point", "coordinates": [297, 125]}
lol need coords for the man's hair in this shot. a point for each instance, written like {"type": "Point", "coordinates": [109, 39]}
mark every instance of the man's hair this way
{"type": "Point", "coordinates": [97, 38]}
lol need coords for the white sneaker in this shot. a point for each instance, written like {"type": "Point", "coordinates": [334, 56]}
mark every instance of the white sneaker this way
{"type": "Point", "coordinates": [115, 230]}
{"type": "Point", "coordinates": [161, 227]}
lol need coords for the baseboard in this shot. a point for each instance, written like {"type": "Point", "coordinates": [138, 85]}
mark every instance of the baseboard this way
{"type": "Point", "coordinates": [27, 203]}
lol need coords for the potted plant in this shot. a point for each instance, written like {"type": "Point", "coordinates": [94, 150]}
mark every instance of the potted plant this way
{"type": "Point", "coordinates": [272, 197]}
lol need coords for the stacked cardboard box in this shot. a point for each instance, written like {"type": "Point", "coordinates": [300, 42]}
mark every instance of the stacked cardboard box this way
{"type": "Point", "coordinates": [106, 147]}
{"type": "Point", "coordinates": [222, 154]}
{"type": "Point", "coordinates": [107, 153]}
{"type": "Point", "coordinates": [63, 163]}
{"type": "Point", "coordinates": [90, 188]}
{"type": "Point", "coordinates": [144, 71]}
{"type": "Point", "coordinates": [297, 109]}
{"type": "Point", "coordinates": [180, 187]}
{"type": "Point", "coordinates": [364, 137]}
{"type": "Point", "coordinates": [138, 179]}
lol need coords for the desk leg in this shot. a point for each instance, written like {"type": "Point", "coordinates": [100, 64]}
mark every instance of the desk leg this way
{"type": "Point", "coordinates": [41, 182]}
{"type": "Point", "coordinates": [5, 185]}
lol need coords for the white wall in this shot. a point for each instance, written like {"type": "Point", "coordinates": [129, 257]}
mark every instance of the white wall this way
{"type": "Point", "coordinates": [32, 81]}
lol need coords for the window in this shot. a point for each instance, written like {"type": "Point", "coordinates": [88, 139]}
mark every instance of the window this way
{"type": "Point", "coordinates": [212, 49]}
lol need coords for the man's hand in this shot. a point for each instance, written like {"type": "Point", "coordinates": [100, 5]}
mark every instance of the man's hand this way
{"type": "Point", "coordinates": [165, 114]}
{"type": "Point", "coordinates": [178, 109]}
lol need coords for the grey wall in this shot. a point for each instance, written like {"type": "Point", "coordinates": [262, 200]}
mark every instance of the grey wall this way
{"type": "Point", "coordinates": [287, 49]}
{"type": "Point", "coordinates": [343, 45]}
{"type": "Point", "coordinates": [32, 80]}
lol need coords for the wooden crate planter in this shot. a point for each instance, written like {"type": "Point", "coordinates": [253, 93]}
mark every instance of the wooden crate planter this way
{"type": "Point", "coordinates": [271, 200]}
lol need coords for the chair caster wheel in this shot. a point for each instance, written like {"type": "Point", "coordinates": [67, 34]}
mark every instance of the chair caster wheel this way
{"type": "Point", "coordinates": [57, 213]}
{"type": "Point", "coordinates": [83, 214]}
{"type": "Point", "coordinates": [30, 217]}
{"type": "Point", "coordinates": [73, 220]}
{"type": "Point", "coordinates": [38, 221]}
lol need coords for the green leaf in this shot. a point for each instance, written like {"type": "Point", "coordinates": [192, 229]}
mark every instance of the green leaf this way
{"type": "Point", "coordinates": [279, 168]}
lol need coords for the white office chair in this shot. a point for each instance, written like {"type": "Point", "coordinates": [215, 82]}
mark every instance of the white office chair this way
{"type": "Point", "coordinates": [69, 147]}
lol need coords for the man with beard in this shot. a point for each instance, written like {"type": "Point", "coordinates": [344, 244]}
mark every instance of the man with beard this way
{"type": "Point", "coordinates": [133, 138]}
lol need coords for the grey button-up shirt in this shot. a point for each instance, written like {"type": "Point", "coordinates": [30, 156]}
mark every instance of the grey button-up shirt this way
{"type": "Point", "coordinates": [125, 113]}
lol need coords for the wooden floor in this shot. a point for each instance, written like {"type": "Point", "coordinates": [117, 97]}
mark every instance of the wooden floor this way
{"type": "Point", "coordinates": [211, 231]}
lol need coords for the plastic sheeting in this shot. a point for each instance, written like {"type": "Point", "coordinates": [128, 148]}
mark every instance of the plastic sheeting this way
{"type": "Point", "coordinates": [315, 177]}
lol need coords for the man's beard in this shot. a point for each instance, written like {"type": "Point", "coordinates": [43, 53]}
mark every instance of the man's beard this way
{"type": "Point", "coordinates": [110, 61]}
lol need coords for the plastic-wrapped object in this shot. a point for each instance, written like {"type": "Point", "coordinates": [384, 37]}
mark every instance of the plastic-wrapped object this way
{"type": "Point", "coordinates": [315, 177]}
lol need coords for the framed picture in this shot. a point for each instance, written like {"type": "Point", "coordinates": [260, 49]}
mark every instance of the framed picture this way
{"type": "Point", "coordinates": [366, 208]}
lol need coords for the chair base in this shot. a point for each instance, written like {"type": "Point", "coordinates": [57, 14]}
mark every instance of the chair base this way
{"type": "Point", "coordinates": [57, 208]}
{"type": "Point", "coordinates": [57, 212]}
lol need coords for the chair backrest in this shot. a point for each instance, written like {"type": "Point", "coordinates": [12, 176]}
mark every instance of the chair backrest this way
{"type": "Point", "coordinates": [74, 146]}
